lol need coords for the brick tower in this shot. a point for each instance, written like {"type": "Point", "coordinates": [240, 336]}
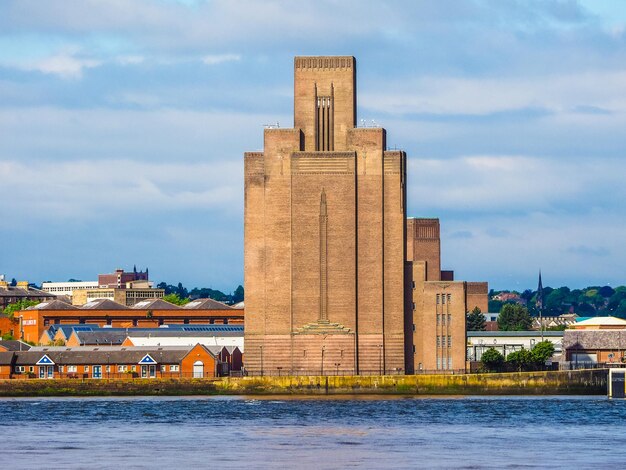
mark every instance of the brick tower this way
{"type": "Point", "coordinates": [325, 239]}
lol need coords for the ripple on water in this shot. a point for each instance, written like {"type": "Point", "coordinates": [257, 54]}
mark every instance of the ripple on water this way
{"type": "Point", "coordinates": [485, 432]}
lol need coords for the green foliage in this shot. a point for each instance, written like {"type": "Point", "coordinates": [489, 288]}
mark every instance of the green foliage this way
{"type": "Point", "coordinates": [492, 360]}
{"type": "Point", "coordinates": [175, 299]}
{"type": "Point", "coordinates": [495, 305]}
{"type": "Point", "coordinates": [606, 291]}
{"type": "Point", "coordinates": [542, 351]}
{"type": "Point", "coordinates": [532, 359]}
{"type": "Point", "coordinates": [521, 359]}
{"type": "Point", "coordinates": [475, 320]}
{"type": "Point", "coordinates": [17, 306]}
{"type": "Point", "coordinates": [556, 328]}
{"type": "Point", "coordinates": [202, 293]}
{"type": "Point", "coordinates": [8, 337]}
{"type": "Point", "coordinates": [238, 294]}
{"type": "Point", "coordinates": [514, 317]}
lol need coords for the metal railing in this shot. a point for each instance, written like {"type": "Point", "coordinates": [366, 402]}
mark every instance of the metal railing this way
{"type": "Point", "coordinates": [576, 365]}
{"type": "Point", "coordinates": [318, 372]}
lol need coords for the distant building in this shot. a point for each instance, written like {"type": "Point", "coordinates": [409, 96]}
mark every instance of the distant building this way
{"type": "Point", "coordinates": [110, 362]}
{"type": "Point", "coordinates": [13, 345]}
{"type": "Point", "coordinates": [105, 312]}
{"type": "Point", "coordinates": [67, 288]}
{"type": "Point", "coordinates": [567, 319]}
{"type": "Point", "coordinates": [436, 308]}
{"type": "Point", "coordinates": [125, 296]}
{"type": "Point", "coordinates": [600, 323]}
{"type": "Point", "coordinates": [119, 278]}
{"type": "Point", "coordinates": [591, 346]}
{"type": "Point", "coordinates": [507, 342]}
{"type": "Point", "coordinates": [8, 325]}
{"type": "Point", "coordinates": [22, 291]}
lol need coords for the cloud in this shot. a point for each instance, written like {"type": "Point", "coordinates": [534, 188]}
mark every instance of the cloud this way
{"type": "Point", "coordinates": [587, 251]}
{"type": "Point", "coordinates": [88, 189]}
{"type": "Point", "coordinates": [64, 65]}
{"type": "Point", "coordinates": [220, 58]}
{"type": "Point", "coordinates": [514, 184]}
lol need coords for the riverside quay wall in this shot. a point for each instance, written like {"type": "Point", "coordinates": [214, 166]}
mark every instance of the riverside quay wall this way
{"type": "Point", "coordinates": [577, 382]}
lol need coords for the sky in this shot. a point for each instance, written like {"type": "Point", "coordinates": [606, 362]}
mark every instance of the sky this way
{"type": "Point", "coordinates": [123, 126]}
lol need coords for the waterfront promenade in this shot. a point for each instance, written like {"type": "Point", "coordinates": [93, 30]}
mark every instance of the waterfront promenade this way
{"type": "Point", "coordinates": [577, 382]}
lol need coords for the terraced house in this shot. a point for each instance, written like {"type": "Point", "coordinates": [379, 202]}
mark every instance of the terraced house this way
{"type": "Point", "coordinates": [111, 362]}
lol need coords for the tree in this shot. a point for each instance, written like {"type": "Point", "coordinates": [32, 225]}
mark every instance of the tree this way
{"type": "Point", "coordinates": [606, 291]}
{"type": "Point", "coordinates": [492, 360]}
{"type": "Point", "coordinates": [475, 320]}
{"type": "Point", "coordinates": [17, 306]}
{"type": "Point", "coordinates": [514, 317]}
{"type": "Point", "coordinates": [494, 305]}
{"type": "Point", "coordinates": [521, 359]}
{"type": "Point", "coordinates": [542, 351]}
{"type": "Point", "coordinates": [175, 299]}
{"type": "Point", "coordinates": [7, 337]}
{"type": "Point", "coordinates": [238, 295]}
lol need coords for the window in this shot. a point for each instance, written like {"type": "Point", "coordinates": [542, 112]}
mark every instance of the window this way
{"type": "Point", "coordinates": [438, 319]}
{"type": "Point", "coordinates": [413, 349]}
{"type": "Point", "coordinates": [86, 369]}
{"type": "Point", "coordinates": [449, 363]}
{"type": "Point", "coordinates": [437, 299]}
{"type": "Point", "coordinates": [31, 368]}
{"type": "Point", "coordinates": [443, 319]}
{"type": "Point", "coordinates": [449, 319]}
{"type": "Point", "coordinates": [107, 368]}
{"type": "Point", "coordinates": [449, 341]}
{"type": "Point", "coordinates": [438, 341]}
{"type": "Point", "coordinates": [162, 368]}
{"type": "Point", "coordinates": [71, 369]}
{"type": "Point", "coordinates": [413, 326]}
{"type": "Point", "coordinates": [438, 363]}
{"type": "Point", "coordinates": [413, 284]}
{"type": "Point", "coordinates": [449, 298]}
{"type": "Point", "coordinates": [413, 305]}
{"type": "Point", "coordinates": [61, 369]}
{"type": "Point", "coordinates": [19, 369]}
{"type": "Point", "coordinates": [443, 299]}
{"type": "Point", "coordinates": [134, 368]}
{"type": "Point", "coordinates": [174, 368]}
{"type": "Point", "coordinates": [121, 368]}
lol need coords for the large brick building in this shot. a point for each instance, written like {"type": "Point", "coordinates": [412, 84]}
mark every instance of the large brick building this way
{"type": "Point", "coordinates": [325, 236]}
{"type": "Point", "coordinates": [436, 304]}
{"type": "Point", "coordinates": [333, 283]}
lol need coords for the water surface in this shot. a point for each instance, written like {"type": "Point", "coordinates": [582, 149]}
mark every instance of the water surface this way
{"type": "Point", "coordinates": [316, 433]}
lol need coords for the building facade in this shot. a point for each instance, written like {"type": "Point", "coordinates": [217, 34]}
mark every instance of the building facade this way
{"type": "Point", "coordinates": [324, 236]}
{"type": "Point", "coordinates": [147, 314]}
{"type": "Point", "coordinates": [22, 291]}
{"type": "Point", "coordinates": [124, 296]}
{"type": "Point", "coordinates": [67, 288]}
{"type": "Point", "coordinates": [111, 363]}
{"type": "Point", "coordinates": [119, 278]}
{"type": "Point", "coordinates": [436, 304]}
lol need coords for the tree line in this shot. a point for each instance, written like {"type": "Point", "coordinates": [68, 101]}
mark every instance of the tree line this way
{"type": "Point", "coordinates": [179, 293]}
{"type": "Point", "coordinates": [588, 302]}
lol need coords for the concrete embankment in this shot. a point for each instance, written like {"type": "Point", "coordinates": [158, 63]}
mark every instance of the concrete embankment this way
{"type": "Point", "coordinates": [580, 382]}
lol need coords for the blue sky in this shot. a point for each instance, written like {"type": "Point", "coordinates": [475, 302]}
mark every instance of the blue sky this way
{"type": "Point", "coordinates": [123, 124]}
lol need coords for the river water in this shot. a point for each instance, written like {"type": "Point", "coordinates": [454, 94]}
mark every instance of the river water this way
{"type": "Point", "coordinates": [313, 433]}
